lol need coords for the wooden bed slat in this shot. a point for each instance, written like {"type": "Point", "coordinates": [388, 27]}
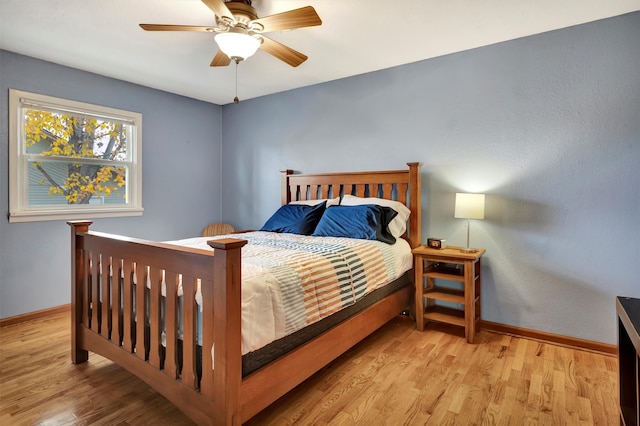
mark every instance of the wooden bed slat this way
{"type": "Point", "coordinates": [206, 382]}
{"type": "Point", "coordinates": [140, 313]}
{"type": "Point", "coordinates": [95, 292]}
{"type": "Point", "coordinates": [189, 310]}
{"type": "Point", "coordinates": [171, 324]}
{"type": "Point", "coordinates": [324, 191]}
{"type": "Point", "coordinates": [105, 294]}
{"type": "Point", "coordinates": [155, 321]}
{"type": "Point", "coordinates": [128, 319]}
{"type": "Point", "coordinates": [116, 300]}
{"type": "Point", "coordinates": [402, 192]}
{"type": "Point", "coordinates": [387, 190]}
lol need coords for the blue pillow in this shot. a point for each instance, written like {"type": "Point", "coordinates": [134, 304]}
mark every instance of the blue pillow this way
{"type": "Point", "coordinates": [295, 219]}
{"type": "Point", "coordinates": [365, 221]}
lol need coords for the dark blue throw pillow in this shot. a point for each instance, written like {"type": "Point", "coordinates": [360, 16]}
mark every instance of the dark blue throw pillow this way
{"type": "Point", "coordinates": [366, 222]}
{"type": "Point", "coordinates": [295, 219]}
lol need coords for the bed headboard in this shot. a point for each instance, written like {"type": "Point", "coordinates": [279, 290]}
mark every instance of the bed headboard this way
{"type": "Point", "coordinates": [398, 185]}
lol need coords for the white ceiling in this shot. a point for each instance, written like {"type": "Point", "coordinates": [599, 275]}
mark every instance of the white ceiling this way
{"type": "Point", "coordinates": [356, 37]}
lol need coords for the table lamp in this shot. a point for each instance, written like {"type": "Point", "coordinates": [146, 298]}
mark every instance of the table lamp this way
{"type": "Point", "coordinates": [469, 206]}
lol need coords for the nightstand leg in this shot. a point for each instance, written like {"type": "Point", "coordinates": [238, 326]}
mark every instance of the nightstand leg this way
{"type": "Point", "coordinates": [469, 301]}
{"type": "Point", "coordinates": [419, 283]}
{"type": "Point", "coordinates": [478, 296]}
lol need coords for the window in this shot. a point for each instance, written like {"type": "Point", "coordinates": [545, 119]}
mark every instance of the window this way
{"type": "Point", "coordinates": [71, 160]}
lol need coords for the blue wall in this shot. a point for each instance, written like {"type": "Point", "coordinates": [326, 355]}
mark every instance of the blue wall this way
{"type": "Point", "coordinates": [182, 141]}
{"type": "Point", "coordinates": [547, 126]}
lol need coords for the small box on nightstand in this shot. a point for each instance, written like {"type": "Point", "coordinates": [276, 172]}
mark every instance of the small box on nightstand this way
{"type": "Point", "coordinates": [436, 243]}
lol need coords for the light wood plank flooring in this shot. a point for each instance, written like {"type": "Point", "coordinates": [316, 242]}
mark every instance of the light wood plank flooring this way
{"type": "Point", "coordinates": [398, 376]}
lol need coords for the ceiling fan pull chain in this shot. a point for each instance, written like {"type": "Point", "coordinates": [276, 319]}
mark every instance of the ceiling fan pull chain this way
{"type": "Point", "coordinates": [236, 100]}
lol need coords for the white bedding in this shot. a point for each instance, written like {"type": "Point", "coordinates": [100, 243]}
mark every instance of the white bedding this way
{"type": "Point", "coordinates": [284, 289]}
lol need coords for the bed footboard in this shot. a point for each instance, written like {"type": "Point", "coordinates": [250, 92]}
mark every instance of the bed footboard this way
{"type": "Point", "coordinates": [125, 298]}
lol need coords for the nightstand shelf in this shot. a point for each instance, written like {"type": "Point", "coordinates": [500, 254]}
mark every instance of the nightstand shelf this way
{"type": "Point", "coordinates": [443, 314]}
{"type": "Point", "coordinates": [447, 295]}
{"type": "Point", "coordinates": [449, 274]}
{"type": "Point", "coordinates": [450, 264]}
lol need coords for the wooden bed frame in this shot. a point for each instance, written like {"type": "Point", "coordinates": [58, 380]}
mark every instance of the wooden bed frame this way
{"type": "Point", "coordinates": [107, 315]}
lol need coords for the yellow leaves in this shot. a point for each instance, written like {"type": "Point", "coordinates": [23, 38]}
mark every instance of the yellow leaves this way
{"type": "Point", "coordinates": [45, 126]}
{"type": "Point", "coordinates": [88, 188]}
{"type": "Point", "coordinates": [60, 134]}
{"type": "Point", "coordinates": [54, 190]}
{"type": "Point", "coordinates": [88, 181]}
{"type": "Point", "coordinates": [104, 174]}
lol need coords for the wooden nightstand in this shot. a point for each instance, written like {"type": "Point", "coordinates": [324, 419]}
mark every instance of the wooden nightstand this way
{"type": "Point", "coordinates": [449, 264]}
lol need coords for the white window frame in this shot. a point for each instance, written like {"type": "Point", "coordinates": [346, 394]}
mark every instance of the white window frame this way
{"type": "Point", "coordinates": [19, 208]}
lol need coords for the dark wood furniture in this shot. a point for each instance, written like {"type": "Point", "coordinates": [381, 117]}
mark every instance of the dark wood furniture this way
{"type": "Point", "coordinates": [449, 264]}
{"type": "Point", "coordinates": [109, 317]}
{"type": "Point", "coordinates": [628, 310]}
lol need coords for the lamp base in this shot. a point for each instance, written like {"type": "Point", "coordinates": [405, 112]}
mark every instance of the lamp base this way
{"type": "Point", "coordinates": [469, 250]}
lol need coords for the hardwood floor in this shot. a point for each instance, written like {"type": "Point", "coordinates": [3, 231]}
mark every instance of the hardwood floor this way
{"type": "Point", "coordinates": [398, 376]}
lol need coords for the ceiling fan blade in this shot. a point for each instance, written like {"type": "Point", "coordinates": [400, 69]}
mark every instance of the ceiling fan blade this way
{"type": "Point", "coordinates": [163, 27]}
{"type": "Point", "coordinates": [220, 60]}
{"type": "Point", "coordinates": [296, 18]}
{"type": "Point", "coordinates": [220, 9]}
{"type": "Point", "coordinates": [282, 52]}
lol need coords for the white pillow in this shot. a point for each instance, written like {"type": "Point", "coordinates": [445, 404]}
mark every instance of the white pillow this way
{"type": "Point", "coordinates": [398, 225]}
{"type": "Point", "coordinates": [330, 202]}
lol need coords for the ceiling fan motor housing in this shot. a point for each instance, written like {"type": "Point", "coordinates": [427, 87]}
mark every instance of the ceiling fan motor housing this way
{"type": "Point", "coordinates": [242, 11]}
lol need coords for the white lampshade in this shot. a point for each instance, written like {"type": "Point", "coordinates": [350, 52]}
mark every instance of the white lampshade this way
{"type": "Point", "coordinates": [469, 206]}
{"type": "Point", "coordinates": [237, 45]}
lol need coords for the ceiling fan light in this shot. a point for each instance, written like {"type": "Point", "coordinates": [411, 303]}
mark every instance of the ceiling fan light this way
{"type": "Point", "coordinates": [237, 46]}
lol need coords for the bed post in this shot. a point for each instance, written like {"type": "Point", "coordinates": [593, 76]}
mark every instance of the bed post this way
{"type": "Point", "coordinates": [286, 194]}
{"type": "Point", "coordinates": [415, 192]}
{"type": "Point", "coordinates": [222, 383]}
{"type": "Point", "coordinates": [77, 291]}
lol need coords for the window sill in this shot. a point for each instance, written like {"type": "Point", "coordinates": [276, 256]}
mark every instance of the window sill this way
{"type": "Point", "coordinates": [44, 215]}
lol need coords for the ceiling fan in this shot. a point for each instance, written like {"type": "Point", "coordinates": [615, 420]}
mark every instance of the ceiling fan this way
{"type": "Point", "coordinates": [240, 32]}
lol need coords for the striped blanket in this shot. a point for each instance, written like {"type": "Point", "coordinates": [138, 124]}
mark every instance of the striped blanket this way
{"type": "Point", "coordinates": [290, 281]}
